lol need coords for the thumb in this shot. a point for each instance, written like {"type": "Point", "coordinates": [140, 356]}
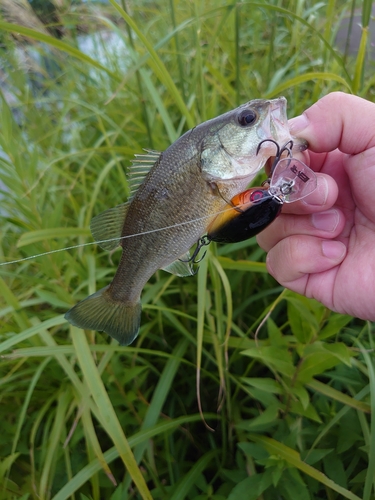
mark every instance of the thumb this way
{"type": "Point", "coordinates": [331, 124]}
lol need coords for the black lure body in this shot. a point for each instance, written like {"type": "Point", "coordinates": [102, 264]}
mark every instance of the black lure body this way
{"type": "Point", "coordinates": [251, 212]}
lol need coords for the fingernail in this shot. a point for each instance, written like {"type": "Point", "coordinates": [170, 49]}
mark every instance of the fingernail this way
{"type": "Point", "coordinates": [334, 250]}
{"type": "Point", "coordinates": [326, 221]}
{"type": "Point", "coordinates": [320, 195]}
{"type": "Point", "coordinates": [298, 123]}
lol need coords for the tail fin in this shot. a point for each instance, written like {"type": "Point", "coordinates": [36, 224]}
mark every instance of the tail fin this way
{"type": "Point", "coordinates": [100, 312]}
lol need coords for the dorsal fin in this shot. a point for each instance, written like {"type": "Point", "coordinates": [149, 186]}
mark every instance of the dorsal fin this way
{"type": "Point", "coordinates": [140, 167]}
{"type": "Point", "coordinates": [108, 226]}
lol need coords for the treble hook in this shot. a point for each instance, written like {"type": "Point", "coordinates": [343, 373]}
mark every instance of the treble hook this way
{"type": "Point", "coordinates": [202, 242]}
{"type": "Point", "coordinates": [279, 151]}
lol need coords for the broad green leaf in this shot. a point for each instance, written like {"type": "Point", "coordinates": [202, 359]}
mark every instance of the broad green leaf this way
{"type": "Point", "coordinates": [293, 458]}
{"type": "Point", "coordinates": [313, 456]}
{"type": "Point", "coordinates": [275, 334]}
{"type": "Point", "coordinates": [264, 384]}
{"type": "Point", "coordinates": [276, 357]}
{"type": "Point", "coordinates": [292, 487]}
{"type": "Point", "coordinates": [319, 357]}
{"type": "Point", "coordinates": [266, 399]}
{"type": "Point", "coordinates": [302, 322]}
{"type": "Point", "coordinates": [314, 364]}
{"type": "Point", "coordinates": [250, 488]}
{"type": "Point", "coordinates": [267, 417]}
{"type": "Point", "coordinates": [253, 450]}
{"type": "Point", "coordinates": [341, 351]}
{"type": "Point", "coordinates": [301, 393]}
{"type": "Point", "coordinates": [305, 411]}
{"type": "Point", "coordinates": [334, 325]}
{"type": "Point", "coordinates": [334, 469]}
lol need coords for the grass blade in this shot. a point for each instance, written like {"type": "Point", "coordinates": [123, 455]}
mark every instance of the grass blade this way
{"type": "Point", "coordinates": [54, 42]}
{"type": "Point", "coordinates": [190, 478]}
{"type": "Point", "coordinates": [332, 393]}
{"type": "Point", "coordinates": [370, 475]}
{"type": "Point", "coordinates": [157, 65]}
{"type": "Point", "coordinates": [140, 437]}
{"type": "Point", "coordinates": [101, 398]}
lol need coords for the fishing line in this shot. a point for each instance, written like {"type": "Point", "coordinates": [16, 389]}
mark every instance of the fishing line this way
{"type": "Point", "coordinates": [17, 261]}
{"type": "Point", "coordinates": [300, 173]}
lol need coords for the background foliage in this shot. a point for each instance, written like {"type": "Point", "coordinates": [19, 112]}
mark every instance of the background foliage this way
{"type": "Point", "coordinates": [291, 411]}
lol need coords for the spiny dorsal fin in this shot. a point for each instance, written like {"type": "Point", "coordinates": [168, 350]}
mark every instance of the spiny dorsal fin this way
{"type": "Point", "coordinates": [108, 226]}
{"type": "Point", "coordinates": [140, 167]}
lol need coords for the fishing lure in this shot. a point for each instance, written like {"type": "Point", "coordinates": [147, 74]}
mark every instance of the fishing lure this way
{"type": "Point", "coordinates": [251, 211]}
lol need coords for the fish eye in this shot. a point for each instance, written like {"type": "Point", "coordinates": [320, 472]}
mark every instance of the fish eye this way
{"type": "Point", "coordinates": [247, 117]}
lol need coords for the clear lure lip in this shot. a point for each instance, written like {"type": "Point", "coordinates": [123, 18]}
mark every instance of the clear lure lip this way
{"type": "Point", "coordinates": [290, 178]}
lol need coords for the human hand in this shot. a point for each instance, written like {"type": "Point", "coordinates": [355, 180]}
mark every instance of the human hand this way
{"type": "Point", "coordinates": [324, 246]}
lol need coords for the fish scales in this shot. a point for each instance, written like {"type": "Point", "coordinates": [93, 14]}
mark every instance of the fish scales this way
{"type": "Point", "coordinates": [174, 205]}
{"type": "Point", "coordinates": [144, 254]}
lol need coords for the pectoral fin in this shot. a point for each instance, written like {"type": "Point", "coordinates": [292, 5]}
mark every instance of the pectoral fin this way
{"type": "Point", "coordinates": [181, 267]}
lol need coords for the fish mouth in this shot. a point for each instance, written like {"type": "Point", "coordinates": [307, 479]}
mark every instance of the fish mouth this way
{"type": "Point", "coordinates": [275, 126]}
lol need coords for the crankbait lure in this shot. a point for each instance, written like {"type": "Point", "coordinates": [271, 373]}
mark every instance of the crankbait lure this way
{"type": "Point", "coordinates": [251, 211]}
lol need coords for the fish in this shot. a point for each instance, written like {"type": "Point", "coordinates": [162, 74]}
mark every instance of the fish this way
{"type": "Point", "coordinates": [175, 196]}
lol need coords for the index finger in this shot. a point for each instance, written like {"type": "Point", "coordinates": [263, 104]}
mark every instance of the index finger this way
{"type": "Point", "coordinates": [337, 121]}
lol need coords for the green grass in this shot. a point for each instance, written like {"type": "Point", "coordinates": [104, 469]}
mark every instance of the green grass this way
{"type": "Point", "coordinates": [81, 418]}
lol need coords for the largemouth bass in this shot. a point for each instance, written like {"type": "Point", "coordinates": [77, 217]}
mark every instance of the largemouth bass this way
{"type": "Point", "coordinates": [175, 197]}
